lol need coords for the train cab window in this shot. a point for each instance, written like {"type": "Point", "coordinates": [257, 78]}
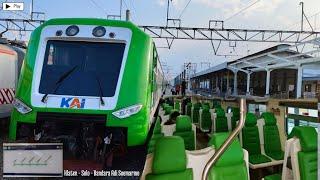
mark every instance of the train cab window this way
{"type": "Point", "coordinates": [301, 117]}
{"type": "Point", "coordinates": [94, 64]}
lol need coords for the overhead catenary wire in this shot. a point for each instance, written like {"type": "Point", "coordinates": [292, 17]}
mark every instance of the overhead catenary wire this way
{"type": "Point", "coordinates": [184, 9]}
{"type": "Point", "coordinates": [298, 22]}
{"type": "Point", "coordinates": [135, 14]}
{"type": "Point", "coordinates": [242, 10]}
{"type": "Point", "coordinates": [98, 6]}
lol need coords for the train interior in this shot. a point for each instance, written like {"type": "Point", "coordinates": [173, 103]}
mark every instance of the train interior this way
{"type": "Point", "coordinates": [268, 147]}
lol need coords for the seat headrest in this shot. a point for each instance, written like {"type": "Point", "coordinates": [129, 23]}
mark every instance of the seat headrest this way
{"type": "Point", "coordinates": [206, 104]}
{"type": "Point", "coordinates": [183, 123]}
{"type": "Point", "coordinates": [216, 106]}
{"type": "Point", "coordinates": [168, 110]}
{"type": "Point", "coordinates": [220, 112]}
{"type": "Point", "coordinates": [206, 110]}
{"type": "Point", "coordinates": [169, 155]}
{"type": "Point", "coordinates": [308, 137]}
{"type": "Point", "coordinates": [235, 110]}
{"type": "Point", "coordinates": [251, 120]}
{"type": "Point", "coordinates": [165, 105]}
{"type": "Point", "coordinates": [233, 155]}
{"type": "Point", "coordinates": [269, 119]}
{"type": "Point", "coordinates": [205, 107]}
{"type": "Point", "coordinates": [197, 105]}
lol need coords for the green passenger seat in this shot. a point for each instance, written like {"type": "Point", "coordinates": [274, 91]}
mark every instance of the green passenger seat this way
{"type": "Point", "coordinates": [273, 177]}
{"type": "Point", "coordinates": [164, 105]}
{"type": "Point", "coordinates": [307, 157]}
{"type": "Point", "coordinates": [231, 165]}
{"type": "Point", "coordinates": [206, 105]}
{"type": "Point", "coordinates": [195, 116]}
{"type": "Point", "coordinates": [184, 130]}
{"type": "Point", "coordinates": [188, 110]}
{"type": "Point", "coordinates": [155, 136]}
{"type": "Point", "coordinates": [251, 141]}
{"type": "Point", "coordinates": [170, 160]}
{"type": "Point", "coordinates": [272, 144]}
{"type": "Point", "coordinates": [216, 104]}
{"type": "Point", "coordinates": [168, 110]}
{"type": "Point", "coordinates": [206, 119]}
{"type": "Point", "coordinates": [221, 122]}
{"type": "Point", "coordinates": [177, 105]}
{"type": "Point", "coordinates": [235, 116]}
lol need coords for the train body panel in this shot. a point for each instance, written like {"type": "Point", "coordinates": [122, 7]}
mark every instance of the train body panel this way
{"type": "Point", "coordinates": [81, 93]}
{"type": "Point", "coordinates": [11, 59]}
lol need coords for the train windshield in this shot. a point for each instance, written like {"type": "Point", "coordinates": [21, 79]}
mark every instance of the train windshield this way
{"type": "Point", "coordinates": [98, 67]}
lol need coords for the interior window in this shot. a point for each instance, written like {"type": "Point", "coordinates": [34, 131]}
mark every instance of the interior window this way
{"type": "Point", "coordinates": [257, 109]}
{"type": "Point", "coordinates": [301, 117]}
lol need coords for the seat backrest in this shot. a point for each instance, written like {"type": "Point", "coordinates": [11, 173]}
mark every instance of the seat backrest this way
{"type": "Point", "coordinates": [216, 104]}
{"type": "Point", "coordinates": [170, 160]}
{"type": "Point", "coordinates": [250, 135]}
{"type": "Point", "coordinates": [221, 122]}
{"type": "Point", "coordinates": [231, 164]}
{"type": "Point", "coordinates": [157, 127]}
{"type": "Point", "coordinates": [168, 110]}
{"type": "Point", "coordinates": [206, 119]}
{"type": "Point", "coordinates": [189, 106]}
{"type": "Point", "coordinates": [177, 105]}
{"type": "Point", "coordinates": [271, 133]}
{"type": "Point", "coordinates": [235, 116]}
{"type": "Point", "coordinates": [184, 130]}
{"type": "Point", "coordinates": [307, 157]}
{"type": "Point", "coordinates": [155, 135]}
{"type": "Point", "coordinates": [196, 108]}
{"type": "Point", "coordinates": [206, 105]}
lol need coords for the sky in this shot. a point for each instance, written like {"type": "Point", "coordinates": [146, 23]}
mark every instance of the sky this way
{"type": "Point", "coordinates": [264, 14]}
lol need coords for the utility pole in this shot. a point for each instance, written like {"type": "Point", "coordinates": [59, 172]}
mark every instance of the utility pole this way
{"type": "Point", "coordinates": [127, 15]}
{"type": "Point", "coordinates": [31, 10]}
{"type": "Point", "coordinates": [120, 9]}
{"type": "Point", "coordinates": [302, 13]}
{"type": "Point", "coordinates": [168, 12]}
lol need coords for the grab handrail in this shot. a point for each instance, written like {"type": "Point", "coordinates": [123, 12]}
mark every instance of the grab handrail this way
{"type": "Point", "coordinates": [227, 142]}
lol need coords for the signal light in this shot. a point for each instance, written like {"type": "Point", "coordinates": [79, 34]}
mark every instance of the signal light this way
{"type": "Point", "coordinates": [99, 31]}
{"type": "Point", "coordinates": [72, 30]}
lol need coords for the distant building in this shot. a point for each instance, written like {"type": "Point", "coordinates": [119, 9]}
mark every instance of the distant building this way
{"type": "Point", "coordinates": [278, 72]}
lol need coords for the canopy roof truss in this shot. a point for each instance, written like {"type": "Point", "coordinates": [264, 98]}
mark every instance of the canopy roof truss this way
{"type": "Point", "coordinates": [285, 56]}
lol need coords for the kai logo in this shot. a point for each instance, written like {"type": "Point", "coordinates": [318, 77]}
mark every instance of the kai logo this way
{"type": "Point", "coordinates": [75, 103]}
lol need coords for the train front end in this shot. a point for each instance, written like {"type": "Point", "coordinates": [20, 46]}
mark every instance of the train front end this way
{"type": "Point", "coordinates": [85, 82]}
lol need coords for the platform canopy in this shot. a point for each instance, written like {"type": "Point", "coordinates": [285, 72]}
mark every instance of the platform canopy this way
{"type": "Point", "coordinates": [280, 56]}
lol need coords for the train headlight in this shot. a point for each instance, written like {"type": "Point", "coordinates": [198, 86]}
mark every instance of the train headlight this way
{"type": "Point", "coordinates": [21, 107]}
{"type": "Point", "coordinates": [128, 111]}
{"type": "Point", "coordinates": [99, 31]}
{"type": "Point", "coordinates": [72, 30]}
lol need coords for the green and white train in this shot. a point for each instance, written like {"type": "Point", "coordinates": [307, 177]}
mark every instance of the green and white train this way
{"type": "Point", "coordinates": [87, 77]}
